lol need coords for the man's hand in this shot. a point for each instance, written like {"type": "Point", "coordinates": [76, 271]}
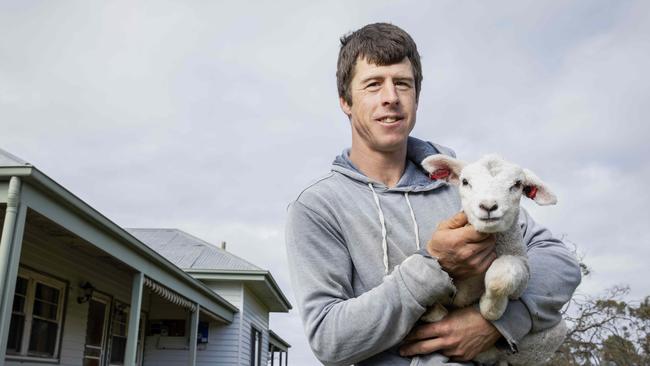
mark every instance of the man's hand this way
{"type": "Point", "coordinates": [461, 335]}
{"type": "Point", "coordinates": [461, 251]}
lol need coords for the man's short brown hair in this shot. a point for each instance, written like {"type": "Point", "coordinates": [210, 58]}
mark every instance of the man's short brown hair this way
{"type": "Point", "coordinates": [381, 44]}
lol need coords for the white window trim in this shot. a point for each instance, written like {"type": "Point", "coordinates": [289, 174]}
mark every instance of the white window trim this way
{"type": "Point", "coordinates": [33, 278]}
{"type": "Point", "coordinates": [126, 309]}
{"type": "Point", "coordinates": [256, 357]}
{"type": "Point", "coordinates": [107, 300]}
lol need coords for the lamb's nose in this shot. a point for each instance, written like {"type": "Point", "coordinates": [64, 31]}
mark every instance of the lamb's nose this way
{"type": "Point", "coordinates": [489, 207]}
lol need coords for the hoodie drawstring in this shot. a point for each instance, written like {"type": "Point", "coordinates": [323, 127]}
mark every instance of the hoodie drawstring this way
{"type": "Point", "coordinates": [415, 223]}
{"type": "Point", "coordinates": [382, 220]}
{"type": "Point", "coordinates": [384, 244]}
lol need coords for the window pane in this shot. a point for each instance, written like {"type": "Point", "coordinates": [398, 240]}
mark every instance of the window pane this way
{"type": "Point", "coordinates": [119, 315]}
{"type": "Point", "coordinates": [19, 304]}
{"type": "Point", "coordinates": [45, 310]}
{"type": "Point", "coordinates": [15, 332]}
{"type": "Point", "coordinates": [118, 348]}
{"type": "Point", "coordinates": [93, 352]}
{"type": "Point", "coordinates": [256, 347]}
{"type": "Point", "coordinates": [47, 293]}
{"type": "Point", "coordinates": [91, 362]}
{"type": "Point", "coordinates": [19, 295]}
{"type": "Point", "coordinates": [42, 340]}
{"type": "Point", "coordinates": [21, 285]}
{"type": "Point", "coordinates": [95, 325]}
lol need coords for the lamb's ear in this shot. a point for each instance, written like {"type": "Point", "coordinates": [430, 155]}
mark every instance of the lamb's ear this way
{"type": "Point", "coordinates": [443, 167]}
{"type": "Point", "coordinates": [537, 190]}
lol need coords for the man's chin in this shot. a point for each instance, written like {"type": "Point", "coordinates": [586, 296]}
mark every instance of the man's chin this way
{"type": "Point", "coordinates": [391, 144]}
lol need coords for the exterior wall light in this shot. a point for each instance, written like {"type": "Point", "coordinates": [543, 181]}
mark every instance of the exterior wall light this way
{"type": "Point", "coordinates": [88, 290]}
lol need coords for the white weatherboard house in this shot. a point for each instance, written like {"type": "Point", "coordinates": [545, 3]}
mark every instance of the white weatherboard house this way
{"type": "Point", "coordinates": [76, 289]}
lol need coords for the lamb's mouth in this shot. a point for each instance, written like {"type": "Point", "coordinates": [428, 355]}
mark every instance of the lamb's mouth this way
{"type": "Point", "coordinates": [490, 219]}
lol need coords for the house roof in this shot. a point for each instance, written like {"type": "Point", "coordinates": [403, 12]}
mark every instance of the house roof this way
{"type": "Point", "coordinates": [278, 342]}
{"type": "Point", "coordinates": [9, 160]}
{"type": "Point", "coordinates": [207, 262]}
{"type": "Point", "coordinates": [189, 252]}
{"type": "Point", "coordinates": [48, 197]}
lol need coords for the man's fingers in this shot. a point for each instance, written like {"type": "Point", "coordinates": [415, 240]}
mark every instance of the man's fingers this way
{"type": "Point", "coordinates": [457, 221]}
{"type": "Point", "coordinates": [423, 347]}
{"type": "Point", "coordinates": [423, 331]}
{"type": "Point", "coordinates": [484, 260]}
{"type": "Point", "coordinates": [487, 262]}
{"type": "Point", "coordinates": [483, 249]}
{"type": "Point", "coordinates": [470, 235]}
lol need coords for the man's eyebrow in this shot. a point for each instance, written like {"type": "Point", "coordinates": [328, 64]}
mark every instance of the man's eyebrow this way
{"type": "Point", "coordinates": [371, 77]}
{"type": "Point", "coordinates": [405, 78]}
{"type": "Point", "coordinates": [381, 77]}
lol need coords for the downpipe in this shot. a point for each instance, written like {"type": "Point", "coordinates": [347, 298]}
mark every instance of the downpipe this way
{"type": "Point", "coordinates": [8, 230]}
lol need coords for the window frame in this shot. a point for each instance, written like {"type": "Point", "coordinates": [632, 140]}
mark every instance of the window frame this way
{"type": "Point", "coordinates": [123, 307]}
{"type": "Point", "coordinates": [33, 278]}
{"type": "Point", "coordinates": [108, 301]}
{"type": "Point", "coordinates": [256, 359]}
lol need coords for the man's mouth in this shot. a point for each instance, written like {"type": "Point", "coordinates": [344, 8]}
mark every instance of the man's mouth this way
{"type": "Point", "coordinates": [390, 119]}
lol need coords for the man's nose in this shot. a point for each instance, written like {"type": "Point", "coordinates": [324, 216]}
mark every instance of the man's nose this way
{"type": "Point", "coordinates": [389, 94]}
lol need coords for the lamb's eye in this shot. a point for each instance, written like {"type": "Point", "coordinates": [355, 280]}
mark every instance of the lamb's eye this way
{"type": "Point", "coordinates": [517, 185]}
{"type": "Point", "coordinates": [465, 182]}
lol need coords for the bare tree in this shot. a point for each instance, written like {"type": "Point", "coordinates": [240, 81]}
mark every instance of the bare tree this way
{"type": "Point", "coordinates": [605, 330]}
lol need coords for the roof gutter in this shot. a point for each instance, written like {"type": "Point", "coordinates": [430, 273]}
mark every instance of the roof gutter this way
{"type": "Point", "coordinates": [226, 274]}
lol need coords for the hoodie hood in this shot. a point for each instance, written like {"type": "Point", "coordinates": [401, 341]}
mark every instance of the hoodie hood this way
{"type": "Point", "coordinates": [414, 178]}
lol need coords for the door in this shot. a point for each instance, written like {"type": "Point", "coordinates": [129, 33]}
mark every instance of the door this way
{"type": "Point", "coordinates": [98, 311]}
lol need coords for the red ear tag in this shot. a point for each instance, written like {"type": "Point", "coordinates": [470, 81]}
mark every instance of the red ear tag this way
{"type": "Point", "coordinates": [531, 192]}
{"type": "Point", "coordinates": [439, 174]}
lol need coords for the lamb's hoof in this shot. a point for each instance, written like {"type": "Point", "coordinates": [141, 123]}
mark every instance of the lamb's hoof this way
{"type": "Point", "coordinates": [493, 307]}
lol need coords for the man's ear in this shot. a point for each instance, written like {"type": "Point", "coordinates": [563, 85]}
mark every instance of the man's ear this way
{"type": "Point", "coordinates": [345, 107]}
{"type": "Point", "coordinates": [443, 167]}
{"type": "Point", "coordinates": [537, 190]}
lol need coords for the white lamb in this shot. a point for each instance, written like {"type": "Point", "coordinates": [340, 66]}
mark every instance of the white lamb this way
{"type": "Point", "coordinates": [490, 191]}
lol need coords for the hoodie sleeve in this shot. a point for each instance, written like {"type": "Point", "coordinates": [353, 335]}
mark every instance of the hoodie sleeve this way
{"type": "Point", "coordinates": [341, 328]}
{"type": "Point", "coordinates": [554, 276]}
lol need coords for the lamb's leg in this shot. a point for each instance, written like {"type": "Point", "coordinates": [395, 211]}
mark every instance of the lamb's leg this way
{"type": "Point", "coordinates": [534, 348]}
{"type": "Point", "coordinates": [506, 279]}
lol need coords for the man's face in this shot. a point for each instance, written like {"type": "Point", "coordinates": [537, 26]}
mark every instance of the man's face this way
{"type": "Point", "coordinates": [383, 105]}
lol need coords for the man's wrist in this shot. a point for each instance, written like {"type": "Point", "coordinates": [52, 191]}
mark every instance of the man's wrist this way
{"type": "Point", "coordinates": [425, 253]}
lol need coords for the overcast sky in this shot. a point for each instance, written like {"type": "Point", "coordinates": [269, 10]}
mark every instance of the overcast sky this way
{"type": "Point", "coordinates": [211, 116]}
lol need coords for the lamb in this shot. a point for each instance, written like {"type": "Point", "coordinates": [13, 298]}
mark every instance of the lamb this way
{"type": "Point", "coordinates": [490, 191]}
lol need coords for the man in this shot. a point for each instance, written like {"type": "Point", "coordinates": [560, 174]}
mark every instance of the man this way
{"type": "Point", "coordinates": [376, 241]}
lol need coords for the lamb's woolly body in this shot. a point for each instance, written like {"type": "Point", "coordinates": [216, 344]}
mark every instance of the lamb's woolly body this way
{"type": "Point", "coordinates": [490, 191]}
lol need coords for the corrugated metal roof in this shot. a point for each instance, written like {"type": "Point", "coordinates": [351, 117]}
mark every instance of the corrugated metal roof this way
{"type": "Point", "coordinates": [189, 252]}
{"type": "Point", "coordinates": [10, 160]}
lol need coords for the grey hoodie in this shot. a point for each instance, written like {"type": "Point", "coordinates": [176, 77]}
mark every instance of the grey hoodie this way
{"type": "Point", "coordinates": [359, 281]}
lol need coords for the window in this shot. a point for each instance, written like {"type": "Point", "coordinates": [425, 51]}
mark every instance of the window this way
{"type": "Point", "coordinates": [256, 347]}
{"type": "Point", "coordinates": [119, 329]}
{"type": "Point", "coordinates": [36, 317]}
{"type": "Point", "coordinates": [96, 324]}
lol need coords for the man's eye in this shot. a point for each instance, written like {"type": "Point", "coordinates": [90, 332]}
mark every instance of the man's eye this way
{"type": "Point", "coordinates": [373, 85]}
{"type": "Point", "coordinates": [403, 85]}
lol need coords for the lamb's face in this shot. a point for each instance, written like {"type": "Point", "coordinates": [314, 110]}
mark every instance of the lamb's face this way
{"type": "Point", "coordinates": [490, 191]}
